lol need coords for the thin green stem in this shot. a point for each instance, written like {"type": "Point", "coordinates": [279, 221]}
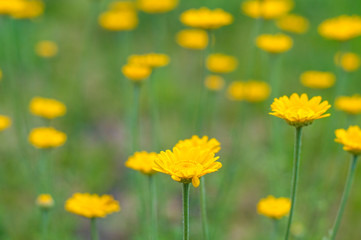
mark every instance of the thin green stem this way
{"type": "Point", "coordinates": [346, 193]}
{"type": "Point", "coordinates": [94, 230]}
{"type": "Point", "coordinates": [154, 207]}
{"type": "Point", "coordinates": [154, 111]}
{"type": "Point", "coordinates": [275, 229]}
{"type": "Point", "coordinates": [44, 224]}
{"type": "Point", "coordinates": [204, 209]}
{"type": "Point", "coordinates": [186, 187]}
{"type": "Point", "coordinates": [296, 166]}
{"type": "Point", "coordinates": [135, 118]}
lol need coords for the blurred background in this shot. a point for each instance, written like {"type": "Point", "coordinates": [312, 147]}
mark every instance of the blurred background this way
{"type": "Point", "coordinates": [86, 75]}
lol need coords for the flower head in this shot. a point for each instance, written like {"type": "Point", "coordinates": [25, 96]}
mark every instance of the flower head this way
{"type": "Point", "coordinates": [350, 139]}
{"type": "Point", "coordinates": [47, 107]}
{"type": "Point", "coordinates": [151, 60]}
{"type": "Point", "coordinates": [11, 6]}
{"type": "Point", "coordinates": [45, 137]}
{"type": "Point", "coordinates": [136, 72]}
{"type": "Point", "coordinates": [293, 23]}
{"type": "Point", "coordinates": [277, 43]}
{"type": "Point", "coordinates": [5, 122]}
{"type": "Point", "coordinates": [341, 28]}
{"type": "Point", "coordinates": [318, 79]}
{"type": "Point", "coordinates": [92, 205]}
{"type": "Point", "coordinates": [211, 145]}
{"type": "Point", "coordinates": [298, 110]}
{"type": "Point", "coordinates": [119, 20]}
{"type": "Point", "coordinates": [45, 201]}
{"type": "Point", "coordinates": [46, 49]}
{"type": "Point", "coordinates": [192, 38]}
{"type": "Point", "coordinates": [206, 18]}
{"type": "Point", "coordinates": [275, 208]}
{"type": "Point", "coordinates": [187, 164]}
{"type": "Point", "coordinates": [349, 61]}
{"type": "Point", "coordinates": [236, 91]}
{"type": "Point", "coordinates": [256, 91]}
{"type": "Point", "coordinates": [29, 9]}
{"type": "Point", "coordinates": [214, 82]}
{"type": "Point", "coordinates": [157, 6]}
{"type": "Point", "coordinates": [142, 161]}
{"type": "Point", "coordinates": [267, 9]}
{"type": "Point", "coordinates": [350, 105]}
{"type": "Point", "coordinates": [221, 63]}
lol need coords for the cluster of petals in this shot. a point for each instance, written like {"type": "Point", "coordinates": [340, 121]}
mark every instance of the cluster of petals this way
{"type": "Point", "coordinates": [142, 161]}
{"type": "Point", "coordinates": [350, 105]}
{"type": "Point", "coordinates": [350, 139]}
{"type": "Point", "coordinates": [275, 208]}
{"type": "Point", "coordinates": [341, 28]}
{"type": "Point", "coordinates": [251, 91]}
{"type": "Point", "coordinates": [47, 107]}
{"type": "Point", "coordinates": [274, 43]}
{"type": "Point", "coordinates": [206, 18]}
{"type": "Point", "coordinates": [318, 79]}
{"type": "Point", "coordinates": [46, 137]}
{"type": "Point", "coordinates": [267, 9]}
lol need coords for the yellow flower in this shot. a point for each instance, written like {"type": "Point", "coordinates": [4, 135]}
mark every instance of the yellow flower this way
{"type": "Point", "coordinates": [142, 161]}
{"type": "Point", "coordinates": [192, 38]}
{"type": "Point", "coordinates": [151, 60]}
{"type": "Point", "coordinates": [256, 91]}
{"type": "Point", "coordinates": [46, 137]}
{"type": "Point", "coordinates": [214, 82]}
{"type": "Point", "coordinates": [30, 9]}
{"type": "Point", "coordinates": [350, 139]}
{"type": "Point", "coordinates": [11, 6]}
{"type": "Point", "coordinates": [298, 110]}
{"type": "Point", "coordinates": [91, 205]}
{"type": "Point", "coordinates": [47, 108]}
{"type": "Point", "coordinates": [46, 49]}
{"type": "Point", "coordinates": [277, 43]}
{"type": "Point", "coordinates": [275, 208]}
{"type": "Point", "coordinates": [118, 20]}
{"type": "Point", "coordinates": [341, 28]}
{"type": "Point", "coordinates": [221, 63]}
{"type": "Point", "coordinates": [157, 6]}
{"type": "Point", "coordinates": [5, 122]}
{"type": "Point", "coordinates": [236, 91]}
{"type": "Point", "coordinates": [350, 62]}
{"type": "Point", "coordinates": [318, 79]}
{"type": "Point", "coordinates": [45, 201]}
{"type": "Point", "coordinates": [293, 23]}
{"type": "Point", "coordinates": [211, 145]}
{"type": "Point", "coordinates": [205, 18]}
{"type": "Point", "coordinates": [187, 165]}
{"type": "Point", "coordinates": [350, 105]}
{"type": "Point", "coordinates": [122, 6]}
{"type": "Point", "coordinates": [136, 72]}
{"type": "Point", "coordinates": [267, 9]}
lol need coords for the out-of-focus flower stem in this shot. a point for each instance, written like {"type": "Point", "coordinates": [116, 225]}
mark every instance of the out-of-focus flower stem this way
{"type": "Point", "coordinates": [153, 206]}
{"type": "Point", "coordinates": [135, 118]}
{"type": "Point", "coordinates": [346, 193]}
{"type": "Point", "coordinates": [44, 224]}
{"type": "Point", "coordinates": [186, 187]}
{"type": "Point", "coordinates": [204, 210]}
{"type": "Point", "coordinates": [296, 165]}
{"type": "Point", "coordinates": [94, 231]}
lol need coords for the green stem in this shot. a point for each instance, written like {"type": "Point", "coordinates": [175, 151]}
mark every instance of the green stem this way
{"type": "Point", "coordinates": [154, 111]}
{"type": "Point", "coordinates": [186, 187]}
{"type": "Point", "coordinates": [345, 196]}
{"type": "Point", "coordinates": [296, 166]}
{"type": "Point", "coordinates": [204, 210]}
{"type": "Point", "coordinates": [135, 118]}
{"type": "Point", "coordinates": [154, 207]}
{"type": "Point", "coordinates": [275, 229]}
{"type": "Point", "coordinates": [94, 231]}
{"type": "Point", "coordinates": [44, 224]}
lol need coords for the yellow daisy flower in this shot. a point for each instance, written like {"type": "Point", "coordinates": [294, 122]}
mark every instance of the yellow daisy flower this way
{"type": "Point", "coordinates": [151, 60]}
{"type": "Point", "coordinates": [142, 161]}
{"type": "Point", "coordinates": [5, 122]}
{"type": "Point", "coordinates": [275, 208]}
{"type": "Point", "coordinates": [293, 23]}
{"type": "Point", "coordinates": [350, 62]}
{"type": "Point", "coordinates": [214, 82]}
{"type": "Point", "coordinates": [206, 18]}
{"type": "Point", "coordinates": [157, 6]}
{"type": "Point", "coordinates": [136, 72]}
{"type": "Point", "coordinates": [318, 79]}
{"type": "Point", "coordinates": [350, 105]}
{"type": "Point", "coordinates": [192, 39]}
{"type": "Point", "coordinates": [277, 43]}
{"type": "Point", "coordinates": [47, 107]}
{"type": "Point", "coordinates": [267, 9]}
{"type": "Point", "coordinates": [45, 201]}
{"type": "Point", "coordinates": [350, 139]}
{"type": "Point", "coordinates": [221, 63]}
{"type": "Point", "coordinates": [211, 145]}
{"type": "Point", "coordinates": [341, 28]}
{"type": "Point", "coordinates": [45, 137]}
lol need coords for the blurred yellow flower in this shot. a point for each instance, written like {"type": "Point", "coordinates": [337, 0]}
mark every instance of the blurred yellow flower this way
{"type": "Point", "coordinates": [118, 20]}
{"type": "Point", "coordinates": [122, 6]}
{"type": "Point", "coordinates": [11, 6]}
{"type": "Point", "coordinates": [157, 6]}
{"type": "Point", "coordinates": [5, 122]}
{"type": "Point", "coordinates": [236, 91]}
{"type": "Point", "coordinates": [318, 79]}
{"type": "Point", "coordinates": [256, 91]}
{"type": "Point", "coordinates": [275, 208]}
{"type": "Point", "coordinates": [214, 82]}
{"type": "Point", "coordinates": [1, 74]}
{"type": "Point", "coordinates": [192, 38]}
{"type": "Point", "coordinates": [151, 60]}
{"type": "Point", "coordinates": [350, 105]}
{"type": "Point", "coordinates": [91, 205]}
{"type": "Point", "coordinates": [187, 165]}
{"type": "Point", "coordinates": [46, 49]}
{"type": "Point", "coordinates": [30, 9]}
{"type": "Point", "coordinates": [211, 145]}
{"type": "Point", "coordinates": [293, 23]}
{"type": "Point", "coordinates": [136, 72]}
{"type": "Point", "coordinates": [206, 18]}
{"type": "Point", "coordinates": [298, 110]}
{"type": "Point", "coordinates": [221, 63]}
{"type": "Point", "coordinates": [350, 62]}
{"type": "Point", "coordinates": [267, 9]}
{"type": "Point", "coordinates": [142, 161]}
{"type": "Point", "coordinates": [45, 201]}
{"type": "Point", "coordinates": [277, 43]}
{"type": "Point", "coordinates": [341, 28]}
{"type": "Point", "coordinates": [46, 137]}
{"type": "Point", "coordinates": [47, 107]}
{"type": "Point", "coordinates": [350, 139]}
